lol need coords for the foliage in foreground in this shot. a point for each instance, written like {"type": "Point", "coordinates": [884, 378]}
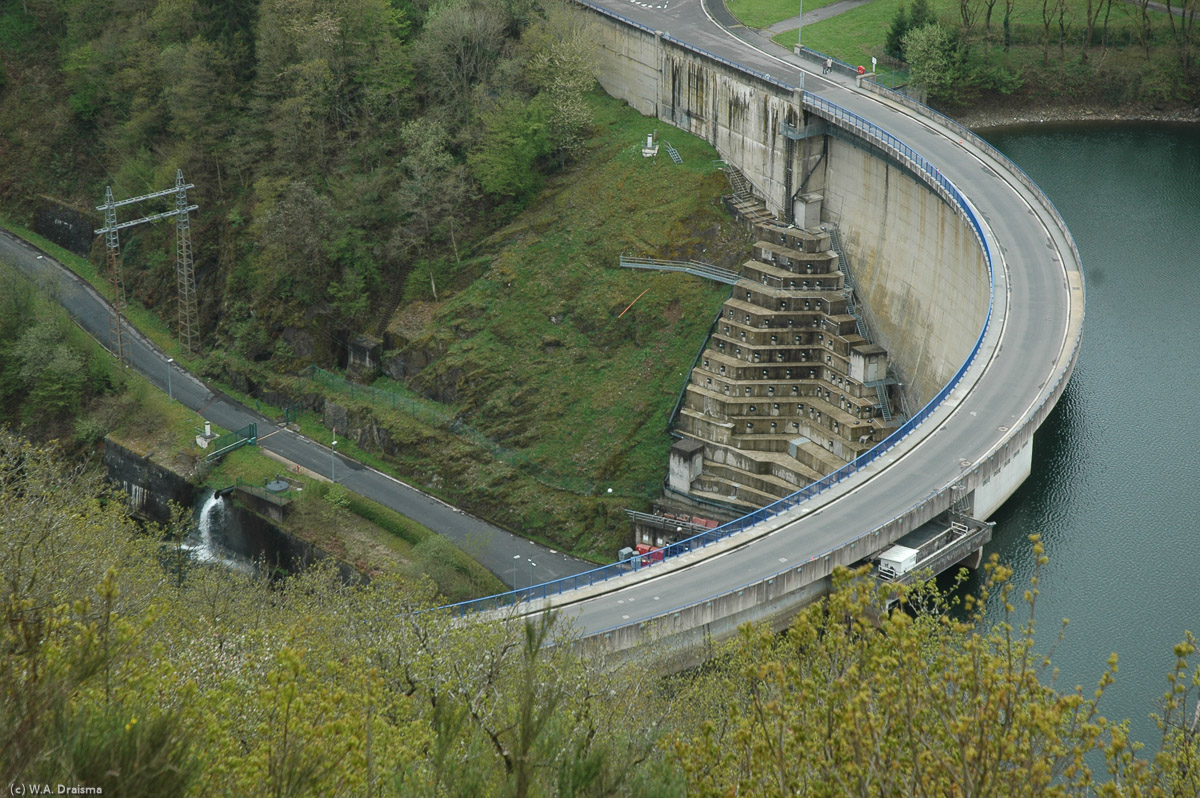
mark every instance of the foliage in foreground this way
{"type": "Point", "coordinates": [856, 700]}
{"type": "Point", "coordinates": [124, 667]}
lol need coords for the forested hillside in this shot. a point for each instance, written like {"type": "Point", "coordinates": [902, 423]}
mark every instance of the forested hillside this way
{"type": "Point", "coordinates": [446, 173]}
{"type": "Point", "coordinates": [333, 144]}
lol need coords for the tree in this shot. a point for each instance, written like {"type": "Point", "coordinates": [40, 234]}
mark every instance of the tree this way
{"type": "Point", "coordinates": [75, 703]}
{"type": "Point", "coordinates": [935, 60]}
{"type": "Point", "coordinates": [461, 44]}
{"type": "Point", "coordinates": [1183, 32]}
{"type": "Point", "coordinates": [894, 43]}
{"type": "Point", "coordinates": [433, 190]}
{"type": "Point", "coordinates": [292, 224]}
{"type": "Point", "coordinates": [904, 21]}
{"type": "Point", "coordinates": [562, 65]}
{"type": "Point", "coordinates": [927, 699]}
{"type": "Point", "coordinates": [518, 712]}
{"type": "Point", "coordinates": [515, 137]}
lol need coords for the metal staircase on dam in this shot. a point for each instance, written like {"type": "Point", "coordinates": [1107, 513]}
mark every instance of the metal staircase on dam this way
{"type": "Point", "coordinates": [881, 392]}
{"type": "Point", "coordinates": [859, 311]}
{"type": "Point", "coordinates": [737, 181]}
{"type": "Point", "coordinates": [835, 243]}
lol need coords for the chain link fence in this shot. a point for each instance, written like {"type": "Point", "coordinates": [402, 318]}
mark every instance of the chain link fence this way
{"type": "Point", "coordinates": [445, 418]}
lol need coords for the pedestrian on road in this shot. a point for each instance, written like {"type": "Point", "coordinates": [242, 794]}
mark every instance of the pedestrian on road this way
{"type": "Point", "coordinates": [828, 66]}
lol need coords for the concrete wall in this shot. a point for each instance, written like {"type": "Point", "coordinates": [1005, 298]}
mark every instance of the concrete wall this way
{"type": "Point", "coordinates": [995, 485]}
{"type": "Point", "coordinates": [916, 263]}
{"type": "Point", "coordinates": [151, 487]}
{"type": "Point", "coordinates": [737, 113]}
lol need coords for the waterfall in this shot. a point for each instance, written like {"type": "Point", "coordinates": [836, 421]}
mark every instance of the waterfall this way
{"type": "Point", "coordinates": [212, 517]}
{"type": "Point", "coordinates": [204, 541]}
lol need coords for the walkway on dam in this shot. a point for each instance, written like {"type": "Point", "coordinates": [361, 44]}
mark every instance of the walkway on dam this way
{"type": "Point", "coordinates": [497, 549]}
{"type": "Point", "coordinates": [1028, 353]}
{"type": "Point", "coordinates": [812, 17]}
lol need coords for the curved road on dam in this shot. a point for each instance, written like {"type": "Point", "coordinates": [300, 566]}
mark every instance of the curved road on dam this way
{"type": "Point", "coordinates": [1026, 357]}
{"type": "Point", "coordinates": [1027, 354]}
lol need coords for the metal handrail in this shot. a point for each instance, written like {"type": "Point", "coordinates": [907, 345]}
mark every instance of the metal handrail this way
{"type": "Point", "coordinates": [945, 187]}
{"type": "Point", "coordinates": [950, 192]}
{"type": "Point", "coordinates": [693, 267]}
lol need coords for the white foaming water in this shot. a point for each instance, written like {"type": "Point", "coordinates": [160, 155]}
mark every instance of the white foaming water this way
{"type": "Point", "coordinates": [202, 545]}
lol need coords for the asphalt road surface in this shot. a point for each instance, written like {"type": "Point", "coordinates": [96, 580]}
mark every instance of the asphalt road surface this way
{"type": "Point", "coordinates": [1030, 343]}
{"type": "Point", "coordinates": [506, 555]}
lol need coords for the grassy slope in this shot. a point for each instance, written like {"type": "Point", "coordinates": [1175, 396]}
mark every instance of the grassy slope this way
{"type": "Point", "coordinates": [536, 352]}
{"type": "Point", "coordinates": [541, 359]}
{"type": "Point", "coordinates": [858, 34]}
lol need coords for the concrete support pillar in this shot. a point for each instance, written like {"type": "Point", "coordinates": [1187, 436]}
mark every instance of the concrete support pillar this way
{"type": "Point", "coordinates": [972, 560]}
{"type": "Point", "coordinates": [807, 210]}
{"type": "Point", "coordinates": [685, 462]}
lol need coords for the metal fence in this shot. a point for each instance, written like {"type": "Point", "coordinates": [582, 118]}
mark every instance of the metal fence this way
{"type": "Point", "coordinates": [946, 188]}
{"type": "Point", "coordinates": [951, 193]}
{"type": "Point", "coordinates": [693, 267]}
{"type": "Point", "coordinates": [447, 419]}
{"type": "Point", "coordinates": [246, 436]}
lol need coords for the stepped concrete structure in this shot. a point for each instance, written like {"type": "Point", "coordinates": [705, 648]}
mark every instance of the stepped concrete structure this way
{"type": "Point", "coordinates": [790, 388]}
{"type": "Point", "coordinates": [975, 291]}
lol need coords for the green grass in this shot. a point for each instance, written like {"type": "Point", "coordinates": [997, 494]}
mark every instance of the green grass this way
{"type": "Point", "coordinates": [852, 37]}
{"type": "Point", "coordinates": [540, 358]}
{"type": "Point", "coordinates": [764, 13]}
{"type": "Point", "coordinates": [858, 34]}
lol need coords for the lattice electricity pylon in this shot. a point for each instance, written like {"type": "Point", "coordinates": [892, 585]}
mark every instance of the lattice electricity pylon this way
{"type": "Point", "coordinates": [112, 239]}
{"type": "Point", "coordinates": [189, 316]}
{"type": "Point", "coordinates": [116, 327]}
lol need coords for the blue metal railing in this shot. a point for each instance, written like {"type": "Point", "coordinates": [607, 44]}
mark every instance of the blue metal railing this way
{"type": "Point", "coordinates": [966, 133]}
{"type": "Point", "coordinates": [950, 192]}
{"type": "Point", "coordinates": [933, 176]}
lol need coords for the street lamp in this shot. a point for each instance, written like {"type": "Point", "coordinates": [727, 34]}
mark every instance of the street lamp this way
{"type": "Point", "coordinates": [532, 565]}
{"type": "Point", "coordinates": [170, 393]}
{"type": "Point", "coordinates": [333, 459]}
{"type": "Point", "coordinates": [799, 27]}
{"type": "Point", "coordinates": [514, 580]}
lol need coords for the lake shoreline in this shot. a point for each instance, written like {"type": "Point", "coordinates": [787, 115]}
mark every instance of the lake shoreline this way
{"type": "Point", "coordinates": [987, 118]}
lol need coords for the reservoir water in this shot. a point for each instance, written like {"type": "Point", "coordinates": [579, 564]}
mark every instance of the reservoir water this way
{"type": "Point", "coordinates": [1115, 488]}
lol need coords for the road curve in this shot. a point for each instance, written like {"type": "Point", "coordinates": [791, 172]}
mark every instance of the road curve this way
{"type": "Point", "coordinates": [1029, 351]}
{"type": "Point", "coordinates": [499, 550]}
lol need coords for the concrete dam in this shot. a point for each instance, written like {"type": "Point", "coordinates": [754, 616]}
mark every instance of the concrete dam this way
{"type": "Point", "coordinates": [975, 291]}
